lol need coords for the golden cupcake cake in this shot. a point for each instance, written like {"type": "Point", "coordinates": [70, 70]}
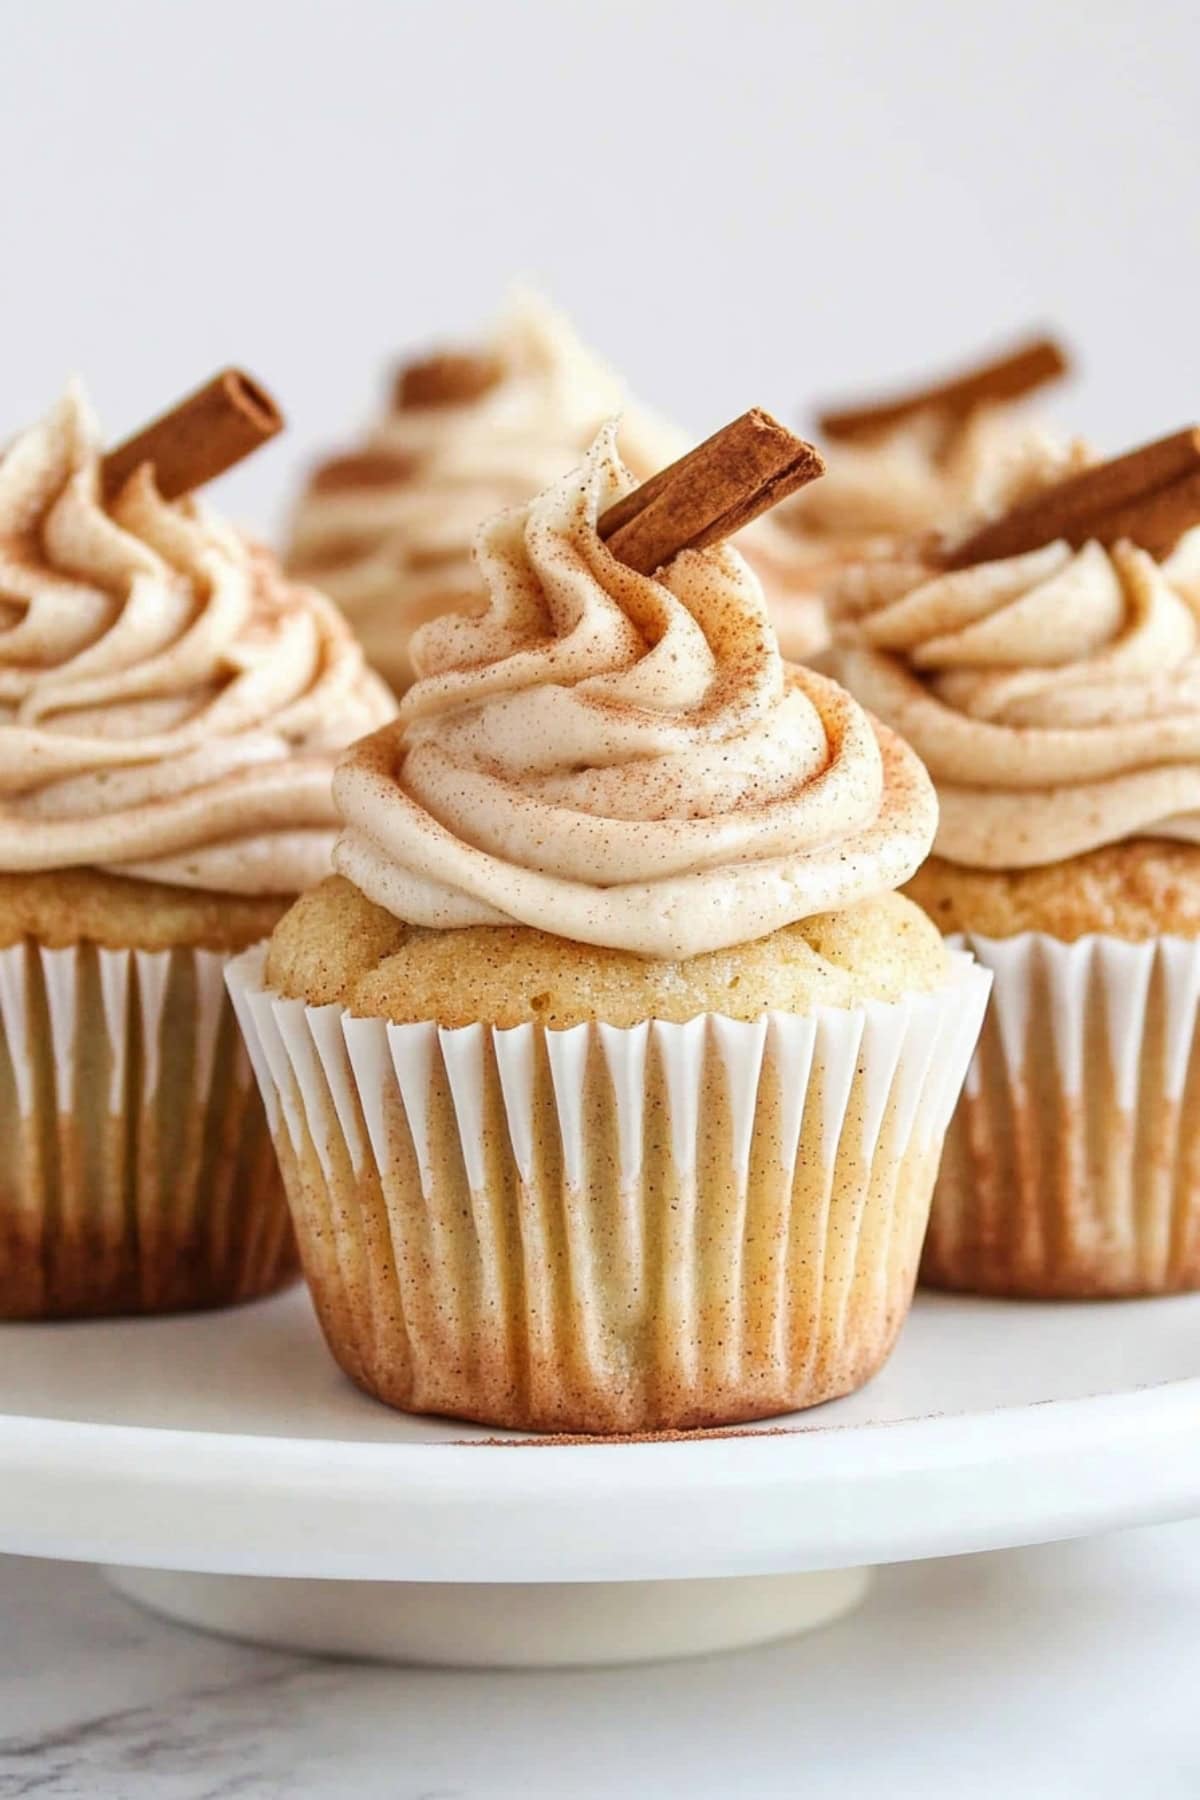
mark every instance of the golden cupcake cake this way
{"type": "Point", "coordinates": [1047, 670]}
{"type": "Point", "coordinates": [388, 530]}
{"type": "Point", "coordinates": [610, 1071]}
{"type": "Point", "coordinates": [170, 708]}
{"type": "Point", "coordinates": [940, 458]}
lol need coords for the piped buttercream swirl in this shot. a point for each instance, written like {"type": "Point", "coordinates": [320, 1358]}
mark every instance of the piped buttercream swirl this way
{"type": "Point", "coordinates": [1054, 697]}
{"type": "Point", "coordinates": [621, 760]}
{"type": "Point", "coordinates": [396, 549]}
{"type": "Point", "coordinates": [934, 472]}
{"type": "Point", "coordinates": [170, 706]}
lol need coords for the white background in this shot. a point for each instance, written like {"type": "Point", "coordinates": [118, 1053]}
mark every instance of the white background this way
{"type": "Point", "coordinates": [738, 203]}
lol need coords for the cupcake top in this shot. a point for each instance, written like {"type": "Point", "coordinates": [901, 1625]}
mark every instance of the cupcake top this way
{"type": "Point", "coordinates": [170, 706]}
{"type": "Point", "coordinates": [1054, 695]}
{"type": "Point", "coordinates": [937, 470]}
{"type": "Point", "coordinates": [389, 532]}
{"type": "Point", "coordinates": [936, 459]}
{"type": "Point", "coordinates": [623, 760]}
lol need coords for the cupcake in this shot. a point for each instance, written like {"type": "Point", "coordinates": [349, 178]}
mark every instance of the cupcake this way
{"type": "Point", "coordinates": [1047, 670]}
{"type": "Point", "coordinates": [790, 571]}
{"type": "Point", "coordinates": [939, 459]}
{"type": "Point", "coordinates": [609, 1073]}
{"type": "Point", "coordinates": [388, 531]}
{"type": "Point", "coordinates": [170, 708]}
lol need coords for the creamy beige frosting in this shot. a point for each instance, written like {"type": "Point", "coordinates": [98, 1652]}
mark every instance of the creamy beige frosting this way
{"type": "Point", "coordinates": [622, 760]}
{"type": "Point", "coordinates": [393, 553]}
{"type": "Point", "coordinates": [170, 707]}
{"type": "Point", "coordinates": [1054, 697]}
{"type": "Point", "coordinates": [933, 472]}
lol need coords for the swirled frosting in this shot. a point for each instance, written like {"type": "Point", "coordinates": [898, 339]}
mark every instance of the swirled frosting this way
{"type": "Point", "coordinates": [395, 548]}
{"type": "Point", "coordinates": [621, 760]}
{"type": "Point", "coordinates": [1054, 697]}
{"type": "Point", "coordinates": [933, 473]}
{"type": "Point", "coordinates": [170, 707]}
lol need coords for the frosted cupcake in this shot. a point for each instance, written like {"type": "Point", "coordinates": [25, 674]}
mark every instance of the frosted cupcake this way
{"type": "Point", "coordinates": [1048, 672]}
{"type": "Point", "coordinates": [939, 459]}
{"type": "Point", "coordinates": [388, 531]}
{"type": "Point", "coordinates": [610, 1073]}
{"type": "Point", "coordinates": [169, 712]}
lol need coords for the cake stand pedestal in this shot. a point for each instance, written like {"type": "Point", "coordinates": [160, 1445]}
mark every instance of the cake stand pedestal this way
{"type": "Point", "coordinates": [228, 1476]}
{"type": "Point", "coordinates": [500, 1625]}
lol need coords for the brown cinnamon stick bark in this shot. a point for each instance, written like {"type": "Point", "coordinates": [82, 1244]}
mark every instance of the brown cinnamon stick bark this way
{"type": "Point", "coordinates": [1150, 496]}
{"type": "Point", "coordinates": [712, 492]}
{"type": "Point", "coordinates": [201, 437]}
{"type": "Point", "coordinates": [361, 468]}
{"type": "Point", "coordinates": [448, 378]}
{"type": "Point", "coordinates": [1019, 371]}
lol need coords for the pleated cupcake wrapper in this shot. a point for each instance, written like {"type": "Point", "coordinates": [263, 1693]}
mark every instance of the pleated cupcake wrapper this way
{"type": "Point", "coordinates": [1072, 1165]}
{"type": "Point", "coordinates": [605, 1229]}
{"type": "Point", "coordinates": [139, 1173]}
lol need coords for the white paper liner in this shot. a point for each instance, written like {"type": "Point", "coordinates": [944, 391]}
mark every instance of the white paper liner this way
{"type": "Point", "coordinates": [602, 1229]}
{"type": "Point", "coordinates": [138, 1172]}
{"type": "Point", "coordinates": [1072, 1165]}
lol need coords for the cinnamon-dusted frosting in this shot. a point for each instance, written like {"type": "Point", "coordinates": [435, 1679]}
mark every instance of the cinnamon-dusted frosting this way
{"type": "Point", "coordinates": [170, 707]}
{"type": "Point", "coordinates": [389, 533]}
{"type": "Point", "coordinates": [621, 760]}
{"type": "Point", "coordinates": [935, 472]}
{"type": "Point", "coordinates": [1054, 697]}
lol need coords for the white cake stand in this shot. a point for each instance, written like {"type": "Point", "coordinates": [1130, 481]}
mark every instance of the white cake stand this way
{"type": "Point", "coordinates": [238, 1482]}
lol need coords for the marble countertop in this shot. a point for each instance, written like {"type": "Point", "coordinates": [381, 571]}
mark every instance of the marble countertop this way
{"type": "Point", "coordinates": [1066, 1671]}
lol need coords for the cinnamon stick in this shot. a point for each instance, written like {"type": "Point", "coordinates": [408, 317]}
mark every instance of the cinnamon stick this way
{"type": "Point", "coordinates": [361, 468]}
{"type": "Point", "coordinates": [713, 491]}
{"type": "Point", "coordinates": [201, 437]}
{"type": "Point", "coordinates": [447, 378]}
{"type": "Point", "coordinates": [1150, 496]}
{"type": "Point", "coordinates": [1027, 366]}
